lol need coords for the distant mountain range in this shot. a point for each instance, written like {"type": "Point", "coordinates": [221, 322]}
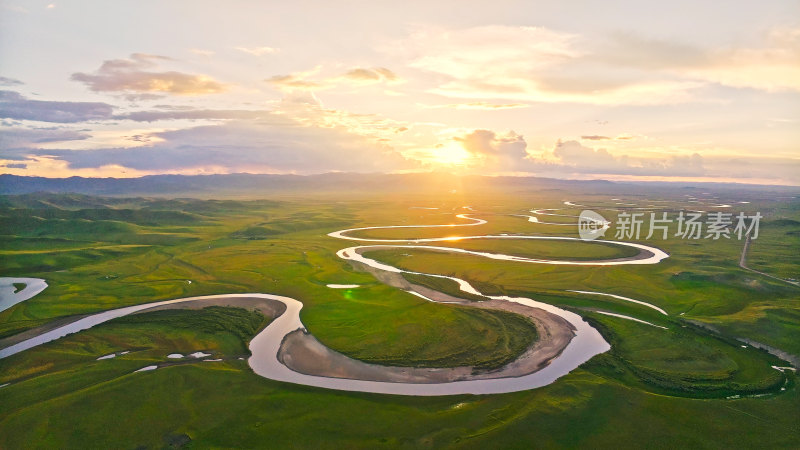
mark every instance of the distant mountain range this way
{"type": "Point", "coordinates": [255, 185]}
{"type": "Point", "coordinates": [199, 185]}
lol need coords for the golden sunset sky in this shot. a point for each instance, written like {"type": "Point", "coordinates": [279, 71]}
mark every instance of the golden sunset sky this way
{"type": "Point", "coordinates": [619, 90]}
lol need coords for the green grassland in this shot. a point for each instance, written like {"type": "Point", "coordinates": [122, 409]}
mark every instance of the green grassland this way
{"type": "Point", "coordinates": [774, 252]}
{"type": "Point", "coordinates": [655, 387]}
{"type": "Point", "coordinates": [297, 261]}
{"type": "Point", "coordinates": [226, 405]}
{"type": "Point", "coordinates": [148, 337]}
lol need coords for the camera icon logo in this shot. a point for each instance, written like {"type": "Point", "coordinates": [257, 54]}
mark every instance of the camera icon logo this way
{"type": "Point", "coordinates": [592, 225]}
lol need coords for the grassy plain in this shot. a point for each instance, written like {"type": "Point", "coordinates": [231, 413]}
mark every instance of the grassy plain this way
{"type": "Point", "coordinates": [655, 387]}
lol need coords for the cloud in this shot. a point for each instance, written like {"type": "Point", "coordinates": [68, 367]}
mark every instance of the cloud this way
{"type": "Point", "coordinates": [535, 64]}
{"type": "Point", "coordinates": [311, 80]}
{"type": "Point", "coordinates": [494, 48]}
{"type": "Point", "coordinates": [15, 137]}
{"type": "Point", "coordinates": [275, 145]}
{"type": "Point", "coordinates": [306, 109]}
{"type": "Point", "coordinates": [52, 167]}
{"type": "Point", "coordinates": [192, 114]}
{"type": "Point", "coordinates": [770, 66]}
{"type": "Point", "coordinates": [595, 137]}
{"type": "Point", "coordinates": [488, 151]}
{"type": "Point", "coordinates": [15, 106]}
{"type": "Point", "coordinates": [633, 50]}
{"type": "Point", "coordinates": [529, 64]}
{"type": "Point", "coordinates": [131, 76]}
{"type": "Point", "coordinates": [299, 136]}
{"type": "Point", "coordinates": [574, 157]}
{"type": "Point", "coordinates": [482, 151]}
{"type": "Point", "coordinates": [483, 106]}
{"type": "Point", "coordinates": [487, 142]}
{"type": "Point", "coordinates": [142, 97]}
{"type": "Point", "coordinates": [578, 156]}
{"type": "Point", "coordinates": [371, 75]}
{"type": "Point", "coordinates": [5, 81]}
{"type": "Point", "coordinates": [257, 51]}
{"type": "Point", "coordinates": [293, 81]}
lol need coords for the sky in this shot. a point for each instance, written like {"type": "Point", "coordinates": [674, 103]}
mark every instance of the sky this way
{"type": "Point", "coordinates": [618, 90]}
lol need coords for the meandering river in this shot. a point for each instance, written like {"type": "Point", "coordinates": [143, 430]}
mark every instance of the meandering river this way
{"type": "Point", "coordinates": [9, 296]}
{"type": "Point", "coordinates": [264, 361]}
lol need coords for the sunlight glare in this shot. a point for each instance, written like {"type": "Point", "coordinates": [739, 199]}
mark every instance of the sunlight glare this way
{"type": "Point", "coordinates": [450, 155]}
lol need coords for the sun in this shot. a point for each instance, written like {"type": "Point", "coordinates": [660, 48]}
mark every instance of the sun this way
{"type": "Point", "coordinates": [450, 155]}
